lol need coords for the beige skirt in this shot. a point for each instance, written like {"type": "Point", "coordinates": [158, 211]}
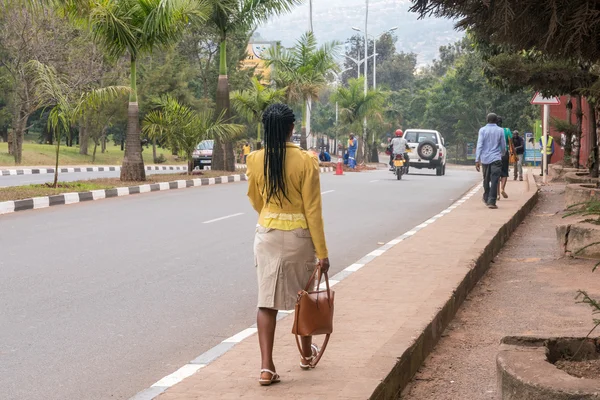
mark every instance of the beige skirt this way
{"type": "Point", "coordinates": [284, 263]}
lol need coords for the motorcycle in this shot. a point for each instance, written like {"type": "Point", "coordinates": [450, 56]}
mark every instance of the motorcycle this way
{"type": "Point", "coordinates": [399, 166]}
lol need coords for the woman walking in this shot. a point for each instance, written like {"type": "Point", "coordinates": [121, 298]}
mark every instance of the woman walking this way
{"type": "Point", "coordinates": [284, 188]}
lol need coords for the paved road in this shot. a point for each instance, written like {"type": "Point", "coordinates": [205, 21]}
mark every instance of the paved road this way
{"type": "Point", "coordinates": [100, 300]}
{"type": "Point", "coordinates": [18, 180]}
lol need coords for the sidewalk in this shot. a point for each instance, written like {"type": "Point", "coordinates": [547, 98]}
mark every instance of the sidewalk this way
{"type": "Point", "coordinates": [389, 314]}
{"type": "Point", "coordinates": [528, 291]}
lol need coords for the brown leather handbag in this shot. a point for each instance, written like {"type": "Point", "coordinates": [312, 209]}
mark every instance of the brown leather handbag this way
{"type": "Point", "coordinates": [313, 313]}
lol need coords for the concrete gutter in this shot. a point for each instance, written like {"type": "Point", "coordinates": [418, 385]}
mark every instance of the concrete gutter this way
{"type": "Point", "coordinates": [415, 354]}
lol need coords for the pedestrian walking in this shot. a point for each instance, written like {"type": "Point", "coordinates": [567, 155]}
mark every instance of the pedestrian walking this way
{"type": "Point", "coordinates": [519, 145]}
{"type": "Point", "coordinates": [284, 188]}
{"type": "Point", "coordinates": [246, 150]}
{"type": "Point", "coordinates": [491, 145]}
{"type": "Point", "coordinates": [352, 147]}
{"type": "Point", "coordinates": [508, 152]}
{"type": "Point", "coordinates": [546, 149]}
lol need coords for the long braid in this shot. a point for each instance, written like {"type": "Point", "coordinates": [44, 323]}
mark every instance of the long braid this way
{"type": "Point", "coordinates": [277, 121]}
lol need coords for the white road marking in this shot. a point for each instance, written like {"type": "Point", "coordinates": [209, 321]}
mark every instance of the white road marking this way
{"type": "Point", "coordinates": [222, 218]}
{"type": "Point", "coordinates": [328, 191]}
{"type": "Point", "coordinates": [376, 180]}
{"type": "Point", "coordinates": [179, 375]}
{"type": "Point", "coordinates": [241, 335]}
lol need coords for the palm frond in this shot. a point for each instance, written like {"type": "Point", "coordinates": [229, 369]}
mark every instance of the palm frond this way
{"type": "Point", "coordinates": [111, 26]}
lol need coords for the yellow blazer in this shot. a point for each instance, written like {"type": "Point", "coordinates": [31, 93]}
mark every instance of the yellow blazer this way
{"type": "Point", "coordinates": [302, 208]}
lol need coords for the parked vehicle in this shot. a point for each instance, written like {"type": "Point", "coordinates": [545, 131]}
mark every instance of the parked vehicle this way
{"type": "Point", "coordinates": [203, 154]}
{"type": "Point", "coordinates": [426, 150]}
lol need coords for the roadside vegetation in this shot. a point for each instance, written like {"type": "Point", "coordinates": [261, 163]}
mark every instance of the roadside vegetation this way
{"type": "Point", "coordinates": [42, 154]}
{"type": "Point", "coordinates": [102, 70]}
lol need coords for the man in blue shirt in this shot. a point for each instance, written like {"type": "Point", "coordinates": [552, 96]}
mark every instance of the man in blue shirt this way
{"type": "Point", "coordinates": [324, 156]}
{"type": "Point", "coordinates": [491, 145]}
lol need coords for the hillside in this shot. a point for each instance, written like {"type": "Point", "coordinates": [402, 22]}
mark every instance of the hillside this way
{"type": "Point", "coordinates": [334, 19]}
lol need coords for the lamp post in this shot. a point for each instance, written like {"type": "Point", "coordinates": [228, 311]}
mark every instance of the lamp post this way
{"type": "Point", "coordinates": [337, 82]}
{"type": "Point", "coordinates": [375, 38]}
{"type": "Point", "coordinates": [357, 62]}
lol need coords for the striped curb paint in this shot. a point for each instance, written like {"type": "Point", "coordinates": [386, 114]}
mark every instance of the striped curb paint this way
{"type": "Point", "coordinates": [35, 203]}
{"type": "Point", "coordinates": [217, 351]}
{"type": "Point", "coordinates": [40, 171]}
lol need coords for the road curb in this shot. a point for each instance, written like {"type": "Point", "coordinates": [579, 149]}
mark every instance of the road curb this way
{"type": "Point", "coordinates": [414, 356]}
{"type": "Point", "coordinates": [8, 207]}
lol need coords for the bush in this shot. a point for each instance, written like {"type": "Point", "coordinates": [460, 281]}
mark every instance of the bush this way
{"type": "Point", "coordinates": [160, 159]}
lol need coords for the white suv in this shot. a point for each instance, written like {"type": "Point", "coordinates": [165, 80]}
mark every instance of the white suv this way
{"type": "Point", "coordinates": [426, 150]}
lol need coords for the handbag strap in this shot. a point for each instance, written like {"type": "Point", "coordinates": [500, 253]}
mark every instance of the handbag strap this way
{"type": "Point", "coordinates": [312, 280]}
{"type": "Point", "coordinates": [315, 361]}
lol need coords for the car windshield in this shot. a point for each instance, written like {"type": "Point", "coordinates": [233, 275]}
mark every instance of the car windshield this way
{"type": "Point", "coordinates": [205, 145]}
{"type": "Point", "coordinates": [418, 137]}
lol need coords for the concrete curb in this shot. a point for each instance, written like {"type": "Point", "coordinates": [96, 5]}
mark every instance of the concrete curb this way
{"type": "Point", "coordinates": [39, 171]}
{"type": "Point", "coordinates": [524, 372]}
{"type": "Point", "coordinates": [35, 203]}
{"type": "Point", "coordinates": [414, 356]}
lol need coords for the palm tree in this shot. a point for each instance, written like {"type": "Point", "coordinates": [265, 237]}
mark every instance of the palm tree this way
{"type": "Point", "coordinates": [135, 27]}
{"type": "Point", "coordinates": [303, 70]}
{"type": "Point", "coordinates": [251, 103]}
{"type": "Point", "coordinates": [66, 105]}
{"type": "Point", "coordinates": [227, 17]}
{"type": "Point", "coordinates": [354, 105]}
{"type": "Point", "coordinates": [184, 128]}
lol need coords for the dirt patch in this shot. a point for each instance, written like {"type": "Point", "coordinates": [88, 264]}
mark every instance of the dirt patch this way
{"type": "Point", "coordinates": [589, 369]}
{"type": "Point", "coordinates": [528, 291]}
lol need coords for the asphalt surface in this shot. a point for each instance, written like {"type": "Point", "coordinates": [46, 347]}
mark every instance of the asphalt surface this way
{"type": "Point", "coordinates": [100, 300]}
{"type": "Point", "coordinates": [19, 180]}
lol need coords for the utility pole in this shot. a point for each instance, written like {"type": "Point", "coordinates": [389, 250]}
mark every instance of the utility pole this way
{"type": "Point", "coordinates": [366, 77]}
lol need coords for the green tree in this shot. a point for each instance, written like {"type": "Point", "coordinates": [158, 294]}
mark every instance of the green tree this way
{"type": "Point", "coordinates": [354, 106]}
{"type": "Point", "coordinates": [460, 100]}
{"type": "Point", "coordinates": [397, 72]}
{"type": "Point", "coordinates": [303, 70]}
{"type": "Point", "coordinates": [229, 17]}
{"type": "Point", "coordinates": [251, 103]}
{"type": "Point", "coordinates": [135, 27]}
{"type": "Point", "coordinates": [66, 106]}
{"type": "Point", "coordinates": [184, 128]}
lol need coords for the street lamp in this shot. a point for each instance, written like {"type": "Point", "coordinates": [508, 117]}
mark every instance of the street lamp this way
{"type": "Point", "coordinates": [337, 82]}
{"type": "Point", "coordinates": [358, 63]}
{"type": "Point", "coordinates": [375, 39]}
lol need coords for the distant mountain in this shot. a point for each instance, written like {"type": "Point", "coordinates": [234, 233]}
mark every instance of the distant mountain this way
{"type": "Point", "coordinates": [334, 19]}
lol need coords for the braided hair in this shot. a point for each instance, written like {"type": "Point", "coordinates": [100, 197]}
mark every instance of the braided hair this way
{"type": "Point", "coordinates": [278, 120]}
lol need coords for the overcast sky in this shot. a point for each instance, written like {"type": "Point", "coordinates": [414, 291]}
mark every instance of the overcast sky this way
{"type": "Point", "coordinates": [334, 19]}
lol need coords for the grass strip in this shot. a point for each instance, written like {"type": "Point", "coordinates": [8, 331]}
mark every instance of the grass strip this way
{"type": "Point", "coordinates": [40, 190]}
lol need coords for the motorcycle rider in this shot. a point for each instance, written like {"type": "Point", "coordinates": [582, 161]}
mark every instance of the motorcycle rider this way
{"type": "Point", "coordinates": [398, 145]}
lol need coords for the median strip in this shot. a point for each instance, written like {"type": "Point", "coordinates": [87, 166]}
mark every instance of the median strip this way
{"type": "Point", "coordinates": [101, 189]}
